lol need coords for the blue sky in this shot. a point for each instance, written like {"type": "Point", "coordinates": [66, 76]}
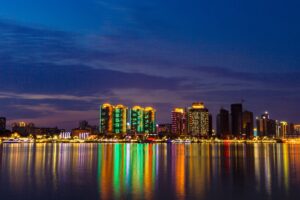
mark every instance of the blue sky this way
{"type": "Point", "coordinates": [60, 59]}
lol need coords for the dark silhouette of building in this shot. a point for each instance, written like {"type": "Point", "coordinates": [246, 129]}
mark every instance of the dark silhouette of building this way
{"type": "Point", "coordinates": [164, 129]}
{"type": "Point", "coordinates": [223, 129]}
{"type": "Point", "coordinates": [210, 125]}
{"type": "Point", "coordinates": [248, 124]}
{"type": "Point", "coordinates": [266, 126]}
{"type": "Point", "coordinates": [2, 123]}
{"type": "Point", "coordinates": [237, 120]}
{"type": "Point", "coordinates": [23, 129]}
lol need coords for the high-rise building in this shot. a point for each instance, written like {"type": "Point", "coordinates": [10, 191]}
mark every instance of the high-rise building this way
{"type": "Point", "coordinates": [210, 125]}
{"type": "Point", "coordinates": [143, 120]}
{"type": "Point", "coordinates": [223, 129]}
{"type": "Point", "coordinates": [297, 129]}
{"type": "Point", "coordinates": [237, 120]}
{"type": "Point", "coordinates": [137, 119]}
{"type": "Point", "coordinates": [198, 120]}
{"type": "Point", "coordinates": [113, 119]}
{"type": "Point", "coordinates": [283, 130]}
{"type": "Point", "coordinates": [248, 124]}
{"type": "Point", "coordinates": [179, 124]}
{"type": "Point", "coordinates": [266, 126]}
{"type": "Point", "coordinates": [2, 123]}
{"type": "Point", "coordinates": [150, 120]}
{"type": "Point", "coordinates": [106, 118]}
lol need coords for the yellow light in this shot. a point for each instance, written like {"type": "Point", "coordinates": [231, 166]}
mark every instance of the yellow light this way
{"type": "Point", "coordinates": [137, 108]}
{"type": "Point", "coordinates": [179, 110]}
{"type": "Point", "coordinates": [105, 105]}
{"type": "Point", "coordinates": [198, 105]}
{"type": "Point", "coordinates": [149, 109]}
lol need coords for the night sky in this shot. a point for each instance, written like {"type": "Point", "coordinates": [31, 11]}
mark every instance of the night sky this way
{"type": "Point", "coordinates": [59, 60]}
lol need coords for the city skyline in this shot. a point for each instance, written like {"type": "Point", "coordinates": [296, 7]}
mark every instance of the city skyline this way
{"type": "Point", "coordinates": [60, 60]}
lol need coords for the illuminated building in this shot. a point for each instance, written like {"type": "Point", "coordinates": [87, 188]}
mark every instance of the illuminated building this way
{"type": "Point", "coordinates": [137, 119]}
{"type": "Point", "coordinates": [248, 124]}
{"type": "Point", "coordinates": [283, 129]}
{"type": "Point", "coordinates": [198, 120]}
{"type": "Point", "coordinates": [143, 120]}
{"type": "Point", "coordinates": [113, 119]}
{"type": "Point", "coordinates": [179, 126]}
{"type": "Point", "coordinates": [266, 126]}
{"type": "Point", "coordinates": [223, 123]}
{"type": "Point", "coordinates": [150, 120]}
{"type": "Point", "coordinates": [236, 119]}
{"type": "Point", "coordinates": [297, 129]}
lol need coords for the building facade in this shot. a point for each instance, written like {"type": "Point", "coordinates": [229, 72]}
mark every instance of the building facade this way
{"type": "Point", "coordinates": [113, 119]}
{"type": "Point", "coordinates": [198, 120]}
{"type": "Point", "coordinates": [179, 121]}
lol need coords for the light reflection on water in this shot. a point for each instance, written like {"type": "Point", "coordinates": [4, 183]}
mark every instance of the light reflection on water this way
{"type": "Point", "coordinates": [149, 171]}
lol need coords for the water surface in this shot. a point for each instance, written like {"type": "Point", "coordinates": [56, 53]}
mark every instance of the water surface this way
{"type": "Point", "coordinates": [149, 171]}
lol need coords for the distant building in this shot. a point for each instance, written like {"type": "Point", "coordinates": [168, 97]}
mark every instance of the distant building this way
{"type": "Point", "coordinates": [2, 123]}
{"type": "Point", "coordinates": [23, 129]}
{"type": "Point", "coordinates": [297, 129]}
{"type": "Point", "coordinates": [210, 125]}
{"type": "Point", "coordinates": [223, 129]}
{"type": "Point", "coordinates": [80, 134]}
{"type": "Point", "coordinates": [198, 120]}
{"type": "Point", "coordinates": [237, 120]}
{"type": "Point", "coordinates": [150, 120]}
{"type": "Point", "coordinates": [113, 119]}
{"type": "Point", "coordinates": [283, 129]}
{"type": "Point", "coordinates": [179, 121]}
{"type": "Point", "coordinates": [164, 129]}
{"type": "Point", "coordinates": [266, 126]}
{"type": "Point", "coordinates": [248, 124]}
{"type": "Point", "coordinates": [137, 120]}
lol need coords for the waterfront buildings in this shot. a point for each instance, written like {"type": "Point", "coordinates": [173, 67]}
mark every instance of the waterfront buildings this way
{"type": "Point", "coordinates": [118, 120]}
{"type": "Point", "coordinates": [179, 121]}
{"type": "Point", "coordinates": [198, 120]}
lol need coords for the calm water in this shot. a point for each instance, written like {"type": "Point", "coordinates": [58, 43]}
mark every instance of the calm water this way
{"type": "Point", "coordinates": [149, 171]}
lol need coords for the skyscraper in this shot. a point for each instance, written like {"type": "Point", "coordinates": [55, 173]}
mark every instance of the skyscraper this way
{"type": "Point", "coordinates": [179, 126]}
{"type": "Point", "coordinates": [120, 119]}
{"type": "Point", "coordinates": [236, 120]}
{"type": "Point", "coordinates": [106, 118]}
{"type": "Point", "coordinates": [248, 124]}
{"type": "Point", "coordinates": [143, 120]}
{"type": "Point", "coordinates": [113, 119]}
{"type": "Point", "coordinates": [137, 119]}
{"type": "Point", "coordinates": [223, 129]}
{"type": "Point", "coordinates": [198, 120]}
{"type": "Point", "coordinates": [266, 126]}
{"type": "Point", "coordinates": [150, 120]}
